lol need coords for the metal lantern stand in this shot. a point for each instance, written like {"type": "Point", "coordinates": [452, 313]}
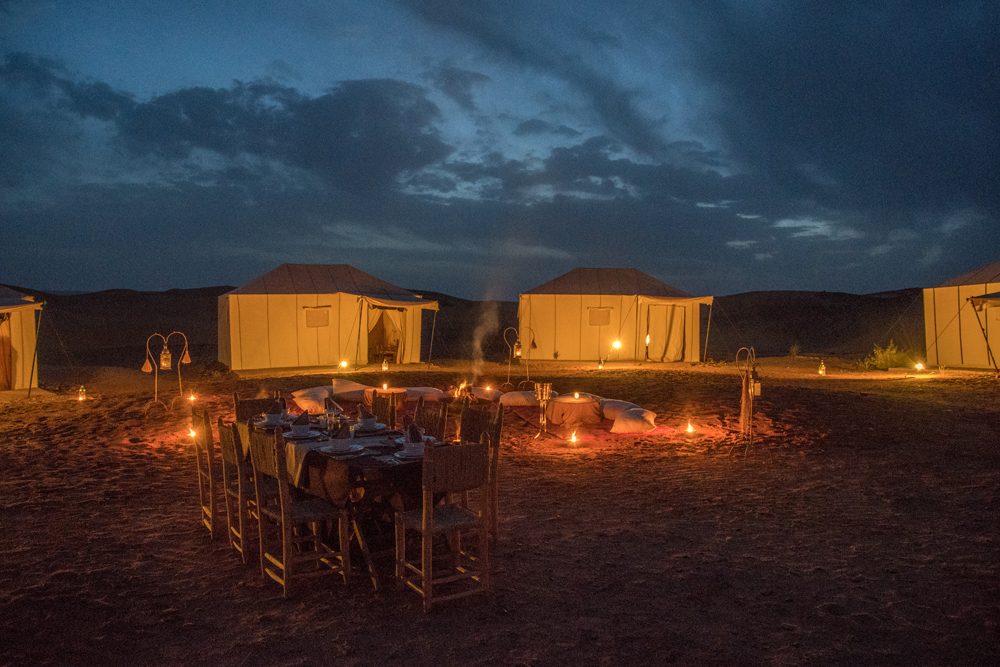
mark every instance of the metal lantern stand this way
{"type": "Point", "coordinates": [543, 393]}
{"type": "Point", "coordinates": [155, 363]}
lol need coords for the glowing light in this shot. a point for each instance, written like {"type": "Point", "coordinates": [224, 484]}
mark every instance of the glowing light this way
{"type": "Point", "coordinates": [192, 433]}
{"type": "Point", "coordinates": [385, 365]}
{"type": "Point", "coordinates": [616, 344]}
{"type": "Point", "coordinates": [81, 393]}
{"type": "Point", "coordinates": [191, 397]}
{"type": "Point", "coordinates": [517, 349]}
{"type": "Point", "coordinates": [489, 388]}
{"type": "Point", "coordinates": [600, 365]}
{"type": "Point", "coordinates": [822, 368]}
{"type": "Point", "coordinates": [647, 340]}
{"type": "Point", "coordinates": [385, 385]}
{"type": "Point", "coordinates": [572, 438]}
{"type": "Point", "coordinates": [576, 394]}
{"type": "Point", "coordinates": [919, 366]}
{"type": "Point", "coordinates": [165, 359]}
{"type": "Point", "coordinates": [343, 363]}
{"type": "Point", "coordinates": [690, 428]}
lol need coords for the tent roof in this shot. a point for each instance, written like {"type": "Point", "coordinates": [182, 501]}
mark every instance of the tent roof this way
{"type": "Point", "coordinates": [326, 279]}
{"type": "Point", "coordinates": [607, 281]}
{"type": "Point", "coordinates": [984, 274]}
{"type": "Point", "coordinates": [10, 299]}
{"type": "Point", "coordinates": [986, 299]}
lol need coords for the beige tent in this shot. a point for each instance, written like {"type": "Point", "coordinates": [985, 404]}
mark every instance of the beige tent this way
{"type": "Point", "coordinates": [579, 315]}
{"type": "Point", "coordinates": [306, 315]}
{"type": "Point", "coordinates": [958, 325]}
{"type": "Point", "coordinates": [18, 328]}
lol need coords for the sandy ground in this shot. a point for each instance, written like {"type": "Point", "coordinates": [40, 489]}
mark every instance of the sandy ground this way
{"type": "Point", "coordinates": [861, 528]}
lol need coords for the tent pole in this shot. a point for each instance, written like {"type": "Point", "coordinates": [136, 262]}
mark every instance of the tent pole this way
{"type": "Point", "coordinates": [430, 348]}
{"type": "Point", "coordinates": [708, 330]}
{"type": "Point", "coordinates": [986, 339]}
{"type": "Point", "coordinates": [34, 356]}
{"type": "Point", "coordinates": [357, 345]}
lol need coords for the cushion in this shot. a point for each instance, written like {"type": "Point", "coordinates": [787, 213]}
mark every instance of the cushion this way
{"type": "Point", "coordinates": [635, 420]}
{"type": "Point", "coordinates": [611, 408]}
{"type": "Point", "coordinates": [583, 410]}
{"type": "Point", "coordinates": [313, 399]}
{"type": "Point", "coordinates": [348, 390]}
{"type": "Point", "coordinates": [568, 397]}
{"type": "Point", "coordinates": [519, 399]}
{"type": "Point", "coordinates": [428, 393]}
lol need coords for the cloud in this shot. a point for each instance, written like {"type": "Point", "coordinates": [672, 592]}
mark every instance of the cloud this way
{"type": "Point", "coordinates": [958, 220]}
{"type": "Point", "coordinates": [457, 84]}
{"type": "Point", "coordinates": [808, 227]}
{"type": "Point", "coordinates": [749, 216]}
{"type": "Point", "coordinates": [725, 203]}
{"type": "Point", "coordinates": [535, 126]}
{"type": "Point", "coordinates": [740, 245]}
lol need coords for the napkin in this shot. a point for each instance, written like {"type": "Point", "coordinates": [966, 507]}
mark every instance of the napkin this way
{"type": "Point", "coordinates": [302, 419]}
{"type": "Point", "coordinates": [413, 434]}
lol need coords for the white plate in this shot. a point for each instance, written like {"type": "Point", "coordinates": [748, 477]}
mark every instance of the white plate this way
{"type": "Point", "coordinates": [337, 451]}
{"type": "Point", "coordinates": [379, 426]}
{"type": "Point", "coordinates": [303, 436]}
{"type": "Point", "coordinates": [428, 440]}
{"type": "Point", "coordinates": [405, 456]}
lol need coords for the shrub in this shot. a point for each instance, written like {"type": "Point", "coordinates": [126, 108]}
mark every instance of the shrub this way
{"type": "Point", "coordinates": [795, 350]}
{"type": "Point", "coordinates": [884, 358]}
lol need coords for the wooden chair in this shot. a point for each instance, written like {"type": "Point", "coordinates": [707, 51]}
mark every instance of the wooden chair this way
{"type": "Point", "coordinates": [447, 470]}
{"type": "Point", "coordinates": [383, 407]}
{"type": "Point", "coordinates": [237, 483]}
{"type": "Point", "coordinates": [484, 423]}
{"type": "Point", "coordinates": [248, 408]}
{"type": "Point", "coordinates": [301, 552]}
{"type": "Point", "coordinates": [480, 418]}
{"type": "Point", "coordinates": [204, 454]}
{"type": "Point", "coordinates": [431, 417]}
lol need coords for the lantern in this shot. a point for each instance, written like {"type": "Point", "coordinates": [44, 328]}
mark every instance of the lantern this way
{"type": "Point", "coordinates": [616, 344]}
{"type": "Point", "coordinates": [385, 365]}
{"type": "Point", "coordinates": [165, 358]}
{"type": "Point", "coordinates": [185, 358]}
{"type": "Point", "coordinates": [385, 386]}
{"type": "Point", "coordinates": [600, 364]}
{"type": "Point", "coordinates": [343, 363]}
{"type": "Point", "coordinates": [81, 393]}
{"type": "Point", "coordinates": [822, 368]}
{"type": "Point", "coordinates": [517, 348]}
{"type": "Point", "coordinates": [919, 366]}
{"type": "Point", "coordinates": [146, 366]}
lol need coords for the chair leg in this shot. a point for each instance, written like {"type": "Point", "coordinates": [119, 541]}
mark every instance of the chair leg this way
{"type": "Point", "coordinates": [366, 554]}
{"type": "Point", "coordinates": [427, 569]}
{"type": "Point", "coordinates": [485, 565]}
{"type": "Point", "coordinates": [400, 550]}
{"type": "Point", "coordinates": [344, 534]}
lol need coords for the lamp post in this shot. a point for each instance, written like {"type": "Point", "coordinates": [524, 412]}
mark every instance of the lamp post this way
{"type": "Point", "coordinates": [164, 361]}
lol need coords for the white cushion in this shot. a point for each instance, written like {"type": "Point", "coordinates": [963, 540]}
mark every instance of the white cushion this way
{"type": "Point", "coordinates": [635, 420]}
{"type": "Point", "coordinates": [611, 408]}
{"type": "Point", "coordinates": [428, 393]}
{"type": "Point", "coordinates": [571, 398]}
{"type": "Point", "coordinates": [348, 390]}
{"type": "Point", "coordinates": [313, 399]}
{"type": "Point", "coordinates": [520, 399]}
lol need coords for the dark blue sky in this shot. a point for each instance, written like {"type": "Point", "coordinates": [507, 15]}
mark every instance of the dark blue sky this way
{"type": "Point", "coordinates": [482, 148]}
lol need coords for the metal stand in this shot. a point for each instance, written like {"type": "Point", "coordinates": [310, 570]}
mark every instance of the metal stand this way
{"type": "Point", "coordinates": [164, 362]}
{"type": "Point", "coordinates": [746, 363]}
{"type": "Point", "coordinates": [543, 393]}
{"type": "Point", "coordinates": [513, 349]}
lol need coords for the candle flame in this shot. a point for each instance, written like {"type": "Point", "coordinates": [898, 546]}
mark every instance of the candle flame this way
{"type": "Point", "coordinates": [572, 438]}
{"type": "Point", "coordinates": [690, 428]}
{"type": "Point", "coordinates": [616, 344]}
{"type": "Point", "coordinates": [488, 388]}
{"type": "Point", "coordinates": [576, 394]}
{"type": "Point", "coordinates": [385, 385]}
{"type": "Point", "coordinates": [919, 366]}
{"type": "Point", "coordinates": [647, 339]}
{"type": "Point", "coordinates": [191, 397]}
{"type": "Point", "coordinates": [343, 363]}
{"type": "Point", "coordinates": [192, 433]}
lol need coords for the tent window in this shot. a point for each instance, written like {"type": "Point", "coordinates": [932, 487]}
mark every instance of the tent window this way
{"type": "Point", "coordinates": [318, 317]}
{"type": "Point", "coordinates": [600, 317]}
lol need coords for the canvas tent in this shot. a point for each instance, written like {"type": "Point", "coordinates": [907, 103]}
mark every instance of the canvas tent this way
{"type": "Point", "coordinates": [579, 315]}
{"type": "Point", "coordinates": [962, 319]}
{"type": "Point", "coordinates": [307, 315]}
{"type": "Point", "coordinates": [18, 330]}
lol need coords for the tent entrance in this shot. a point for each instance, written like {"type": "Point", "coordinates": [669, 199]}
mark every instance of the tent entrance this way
{"type": "Point", "coordinates": [6, 354]}
{"type": "Point", "coordinates": [665, 326]}
{"type": "Point", "coordinates": [385, 331]}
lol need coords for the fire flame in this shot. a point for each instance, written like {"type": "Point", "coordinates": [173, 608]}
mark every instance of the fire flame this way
{"type": "Point", "coordinates": [572, 438]}
{"type": "Point", "coordinates": [489, 388]}
{"type": "Point", "coordinates": [385, 385]}
{"type": "Point", "coordinates": [576, 394]}
{"type": "Point", "coordinates": [192, 433]}
{"type": "Point", "coordinates": [919, 366]}
{"type": "Point", "coordinates": [191, 397]}
{"type": "Point", "coordinates": [690, 428]}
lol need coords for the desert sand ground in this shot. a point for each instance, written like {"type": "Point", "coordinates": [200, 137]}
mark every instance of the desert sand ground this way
{"type": "Point", "coordinates": [860, 528]}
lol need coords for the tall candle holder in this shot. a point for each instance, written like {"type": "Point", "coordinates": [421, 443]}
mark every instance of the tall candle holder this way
{"type": "Point", "coordinates": [543, 393]}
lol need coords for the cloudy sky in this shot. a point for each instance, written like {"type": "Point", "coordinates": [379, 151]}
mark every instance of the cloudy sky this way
{"type": "Point", "coordinates": [480, 148]}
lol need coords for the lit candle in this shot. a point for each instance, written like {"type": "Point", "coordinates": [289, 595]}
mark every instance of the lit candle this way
{"type": "Point", "coordinates": [81, 393]}
{"type": "Point", "coordinates": [576, 394]}
{"type": "Point", "coordinates": [385, 365]}
{"type": "Point", "coordinates": [192, 433]}
{"type": "Point", "coordinates": [343, 363]}
{"type": "Point", "coordinates": [488, 388]}
{"type": "Point", "coordinates": [616, 344]}
{"type": "Point", "coordinates": [690, 428]}
{"type": "Point", "coordinates": [572, 438]}
{"type": "Point", "coordinates": [385, 385]}
{"type": "Point", "coordinates": [191, 397]}
{"type": "Point", "coordinates": [919, 366]}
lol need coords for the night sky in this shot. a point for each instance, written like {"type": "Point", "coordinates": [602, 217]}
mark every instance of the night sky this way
{"type": "Point", "coordinates": [482, 148]}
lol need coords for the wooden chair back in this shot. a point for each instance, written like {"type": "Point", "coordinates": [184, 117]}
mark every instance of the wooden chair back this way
{"type": "Point", "coordinates": [431, 417]}
{"type": "Point", "coordinates": [236, 482]}
{"type": "Point", "coordinates": [229, 444]}
{"type": "Point", "coordinates": [204, 452]}
{"type": "Point", "coordinates": [480, 418]}
{"type": "Point", "coordinates": [388, 407]}
{"type": "Point", "coordinates": [455, 468]}
{"type": "Point", "coordinates": [248, 408]}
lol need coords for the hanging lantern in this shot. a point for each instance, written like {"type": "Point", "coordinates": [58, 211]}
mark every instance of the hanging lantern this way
{"type": "Point", "coordinates": [517, 348]}
{"type": "Point", "coordinates": [186, 358]}
{"type": "Point", "coordinates": [165, 358]}
{"type": "Point", "coordinates": [146, 366]}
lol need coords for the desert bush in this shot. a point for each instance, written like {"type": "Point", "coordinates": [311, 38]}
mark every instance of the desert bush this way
{"type": "Point", "coordinates": [794, 351]}
{"type": "Point", "coordinates": [884, 358]}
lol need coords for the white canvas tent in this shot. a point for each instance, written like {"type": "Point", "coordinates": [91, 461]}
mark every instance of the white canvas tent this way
{"type": "Point", "coordinates": [580, 314]}
{"type": "Point", "coordinates": [307, 315]}
{"type": "Point", "coordinates": [961, 321]}
{"type": "Point", "coordinates": [18, 331]}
